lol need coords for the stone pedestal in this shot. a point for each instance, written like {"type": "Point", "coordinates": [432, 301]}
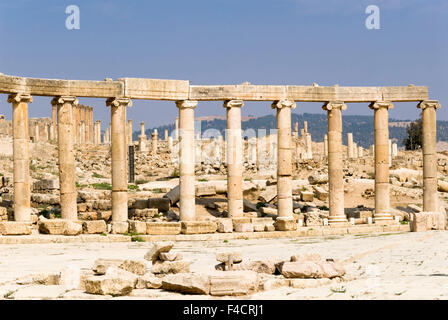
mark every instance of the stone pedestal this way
{"type": "Point", "coordinates": [430, 196]}
{"type": "Point", "coordinates": [21, 174]}
{"type": "Point", "coordinates": [381, 126]}
{"type": "Point", "coordinates": [119, 155]}
{"type": "Point", "coordinates": [186, 160]}
{"type": "Point", "coordinates": [335, 165]}
{"type": "Point", "coordinates": [66, 156]}
{"type": "Point", "coordinates": [234, 158]}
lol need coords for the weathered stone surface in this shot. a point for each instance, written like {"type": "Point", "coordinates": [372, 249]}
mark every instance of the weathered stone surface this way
{"type": "Point", "coordinates": [46, 184]}
{"type": "Point", "coordinates": [237, 256]}
{"type": "Point", "coordinates": [224, 225]}
{"type": "Point", "coordinates": [156, 228]}
{"type": "Point", "coordinates": [198, 227]}
{"type": "Point", "coordinates": [93, 227]}
{"type": "Point", "coordinates": [100, 265]}
{"type": "Point", "coordinates": [148, 281]}
{"type": "Point", "coordinates": [269, 210]}
{"type": "Point", "coordinates": [13, 228]}
{"type": "Point", "coordinates": [423, 221]}
{"type": "Point", "coordinates": [239, 220]}
{"type": "Point", "coordinates": [173, 195]}
{"type": "Point", "coordinates": [269, 194]}
{"type": "Point", "coordinates": [157, 248]}
{"type": "Point", "coordinates": [191, 283]}
{"type": "Point", "coordinates": [321, 194]}
{"type": "Point", "coordinates": [244, 227]}
{"type": "Point", "coordinates": [259, 266]}
{"type": "Point", "coordinates": [307, 196]}
{"type": "Point", "coordinates": [118, 285]}
{"type": "Point", "coordinates": [118, 227]}
{"type": "Point", "coordinates": [170, 256]}
{"type": "Point", "coordinates": [166, 267]}
{"type": "Point", "coordinates": [204, 189]}
{"type": "Point", "coordinates": [312, 269]}
{"type": "Point", "coordinates": [285, 224]}
{"type": "Point", "coordinates": [60, 226]}
{"type": "Point", "coordinates": [137, 227]}
{"type": "Point", "coordinates": [134, 266]}
{"type": "Point", "coordinates": [306, 257]}
{"type": "Point", "coordinates": [318, 178]}
{"type": "Point", "coordinates": [233, 283]}
{"type": "Point", "coordinates": [70, 277]}
{"type": "Point", "coordinates": [47, 279]}
{"type": "Point", "coordinates": [259, 227]}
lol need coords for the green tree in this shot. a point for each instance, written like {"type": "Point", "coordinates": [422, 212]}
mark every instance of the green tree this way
{"type": "Point", "coordinates": [414, 139]}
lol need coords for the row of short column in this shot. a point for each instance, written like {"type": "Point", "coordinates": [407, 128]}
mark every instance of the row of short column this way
{"type": "Point", "coordinates": [119, 139]}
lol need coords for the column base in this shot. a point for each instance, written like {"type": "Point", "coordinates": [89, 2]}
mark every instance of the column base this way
{"type": "Point", "coordinates": [15, 228]}
{"type": "Point", "coordinates": [285, 224]}
{"type": "Point", "coordinates": [119, 227]}
{"type": "Point", "coordinates": [383, 218]}
{"type": "Point", "coordinates": [338, 221]}
{"type": "Point", "coordinates": [198, 227]}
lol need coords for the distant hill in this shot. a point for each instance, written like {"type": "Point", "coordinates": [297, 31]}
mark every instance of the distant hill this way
{"type": "Point", "coordinates": [360, 126]}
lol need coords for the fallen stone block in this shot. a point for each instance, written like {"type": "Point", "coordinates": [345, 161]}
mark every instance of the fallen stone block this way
{"type": "Point", "coordinates": [224, 225]}
{"type": "Point", "coordinates": [94, 227]}
{"type": "Point", "coordinates": [138, 227]}
{"type": "Point", "coordinates": [269, 210]}
{"type": "Point", "coordinates": [119, 227]}
{"type": "Point", "coordinates": [166, 267]}
{"type": "Point", "coordinates": [423, 221]}
{"type": "Point", "coordinates": [162, 204]}
{"type": "Point", "coordinates": [307, 196]}
{"type": "Point", "coordinates": [198, 227]}
{"type": "Point", "coordinates": [306, 257]}
{"type": "Point", "coordinates": [204, 189]}
{"type": "Point", "coordinates": [155, 228]}
{"type": "Point", "coordinates": [239, 220]}
{"type": "Point", "coordinates": [173, 195]}
{"type": "Point", "coordinates": [14, 228]}
{"type": "Point", "coordinates": [318, 179]}
{"type": "Point", "coordinates": [233, 283]}
{"type": "Point", "coordinates": [70, 277]}
{"type": "Point", "coordinates": [311, 269]}
{"type": "Point", "coordinates": [101, 266]}
{"type": "Point", "coordinates": [191, 283]}
{"type": "Point", "coordinates": [259, 266]}
{"type": "Point", "coordinates": [269, 194]}
{"type": "Point", "coordinates": [285, 224]}
{"type": "Point", "coordinates": [148, 281]}
{"type": "Point", "coordinates": [321, 194]}
{"type": "Point", "coordinates": [258, 227]}
{"type": "Point", "coordinates": [139, 203]}
{"type": "Point", "coordinates": [48, 279]}
{"type": "Point", "coordinates": [249, 206]}
{"type": "Point", "coordinates": [170, 256]}
{"type": "Point", "coordinates": [157, 248]}
{"type": "Point", "coordinates": [237, 256]}
{"type": "Point", "coordinates": [115, 283]}
{"type": "Point", "coordinates": [60, 226]}
{"type": "Point", "coordinates": [244, 227]}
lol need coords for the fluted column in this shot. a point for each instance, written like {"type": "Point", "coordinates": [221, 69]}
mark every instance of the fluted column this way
{"type": "Point", "coordinates": [382, 212]}
{"type": "Point", "coordinates": [335, 172]}
{"type": "Point", "coordinates": [119, 155]}
{"type": "Point", "coordinates": [234, 158]}
{"type": "Point", "coordinates": [284, 164]}
{"type": "Point", "coordinates": [67, 181]}
{"type": "Point", "coordinates": [21, 174]}
{"type": "Point", "coordinates": [429, 128]}
{"type": "Point", "coordinates": [186, 159]}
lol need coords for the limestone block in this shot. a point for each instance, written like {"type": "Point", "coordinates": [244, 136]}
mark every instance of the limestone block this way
{"type": "Point", "coordinates": [224, 225]}
{"type": "Point", "coordinates": [155, 228]}
{"type": "Point", "coordinates": [133, 266]}
{"type": "Point", "coordinates": [47, 279]}
{"type": "Point", "coordinates": [70, 277]}
{"type": "Point", "coordinates": [240, 220]}
{"type": "Point", "coordinates": [95, 226]}
{"type": "Point", "coordinates": [162, 204]}
{"type": "Point", "coordinates": [233, 283]}
{"type": "Point", "coordinates": [312, 269]}
{"type": "Point", "coordinates": [109, 285]}
{"type": "Point", "coordinates": [269, 194]}
{"type": "Point", "coordinates": [157, 248]}
{"type": "Point", "coordinates": [307, 196]}
{"type": "Point", "coordinates": [259, 266]}
{"type": "Point", "coordinates": [423, 221]}
{"type": "Point", "coordinates": [170, 256]}
{"type": "Point", "coordinates": [101, 266]}
{"type": "Point", "coordinates": [148, 281]}
{"type": "Point", "coordinates": [258, 227]}
{"type": "Point", "coordinates": [12, 228]}
{"type": "Point", "coordinates": [306, 257]}
{"type": "Point", "coordinates": [269, 227]}
{"type": "Point", "coordinates": [46, 184]}
{"type": "Point", "coordinates": [119, 227]}
{"type": "Point", "coordinates": [250, 214]}
{"type": "Point", "coordinates": [166, 267]}
{"type": "Point", "coordinates": [244, 227]}
{"type": "Point", "coordinates": [442, 186]}
{"type": "Point", "coordinates": [137, 227]}
{"type": "Point", "coordinates": [285, 224]}
{"type": "Point", "coordinates": [191, 283]}
{"type": "Point", "coordinates": [60, 226]}
{"type": "Point", "coordinates": [321, 194]}
{"type": "Point", "coordinates": [197, 227]}
{"type": "Point", "coordinates": [318, 179]}
{"type": "Point", "coordinates": [237, 256]}
{"type": "Point", "coordinates": [269, 210]}
{"type": "Point", "coordinates": [203, 189]}
{"type": "Point", "coordinates": [173, 195]}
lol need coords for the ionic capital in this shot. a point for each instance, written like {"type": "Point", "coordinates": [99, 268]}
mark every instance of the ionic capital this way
{"type": "Point", "coordinates": [334, 105]}
{"type": "Point", "coordinates": [20, 97]}
{"type": "Point", "coordinates": [233, 104]}
{"type": "Point", "coordinates": [64, 99]}
{"type": "Point", "coordinates": [381, 104]}
{"type": "Point", "coordinates": [184, 104]}
{"type": "Point", "coordinates": [116, 102]}
{"type": "Point", "coordinates": [429, 104]}
{"type": "Point", "coordinates": [284, 103]}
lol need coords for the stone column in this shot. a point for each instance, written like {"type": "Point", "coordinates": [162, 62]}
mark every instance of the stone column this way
{"type": "Point", "coordinates": [129, 131]}
{"type": "Point", "coordinates": [107, 136]}
{"type": "Point", "coordinates": [97, 132]}
{"type": "Point", "coordinates": [381, 128]}
{"type": "Point", "coordinates": [36, 131]}
{"type": "Point", "coordinates": [186, 159]}
{"type": "Point", "coordinates": [176, 129]}
{"type": "Point", "coordinates": [360, 152]}
{"type": "Point", "coordinates": [118, 159]}
{"type": "Point", "coordinates": [335, 165]}
{"type": "Point", "coordinates": [166, 135]}
{"type": "Point", "coordinates": [430, 196]}
{"type": "Point", "coordinates": [309, 146]}
{"type": "Point", "coordinates": [305, 127]}
{"type": "Point", "coordinates": [21, 160]}
{"type": "Point", "coordinates": [154, 141]}
{"type": "Point", "coordinates": [234, 158]}
{"type": "Point", "coordinates": [349, 145]}
{"type": "Point", "coordinates": [326, 145]}
{"type": "Point", "coordinates": [53, 123]}
{"type": "Point", "coordinates": [284, 165]}
{"type": "Point", "coordinates": [67, 182]}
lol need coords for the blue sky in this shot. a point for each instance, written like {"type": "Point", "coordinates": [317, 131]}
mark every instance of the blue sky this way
{"type": "Point", "coordinates": [227, 42]}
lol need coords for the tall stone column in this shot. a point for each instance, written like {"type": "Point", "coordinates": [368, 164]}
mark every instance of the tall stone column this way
{"type": "Point", "coordinates": [284, 164]}
{"type": "Point", "coordinates": [176, 129]}
{"type": "Point", "coordinates": [186, 159]}
{"type": "Point", "coordinates": [67, 182]}
{"type": "Point", "coordinates": [129, 131]}
{"type": "Point", "coordinates": [430, 196]}
{"type": "Point", "coordinates": [335, 172]}
{"type": "Point", "coordinates": [350, 145]}
{"type": "Point", "coordinates": [119, 155]}
{"type": "Point", "coordinates": [154, 141]}
{"type": "Point", "coordinates": [234, 158]}
{"type": "Point", "coordinates": [53, 123]}
{"type": "Point", "coordinates": [382, 212]}
{"type": "Point", "coordinates": [21, 158]}
{"type": "Point", "coordinates": [326, 145]}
